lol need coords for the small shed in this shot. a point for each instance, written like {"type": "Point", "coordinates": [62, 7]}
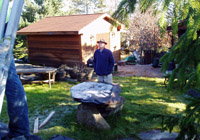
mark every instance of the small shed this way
{"type": "Point", "coordinates": [58, 40]}
{"type": "Point", "coordinates": [181, 30]}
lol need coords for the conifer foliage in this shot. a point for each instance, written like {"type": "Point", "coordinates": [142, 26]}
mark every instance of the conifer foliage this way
{"type": "Point", "coordinates": [186, 51]}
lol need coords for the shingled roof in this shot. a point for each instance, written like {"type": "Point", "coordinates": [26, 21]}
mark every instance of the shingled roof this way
{"type": "Point", "coordinates": [61, 24]}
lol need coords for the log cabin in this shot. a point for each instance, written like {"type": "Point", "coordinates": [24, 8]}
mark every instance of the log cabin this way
{"type": "Point", "coordinates": [58, 40]}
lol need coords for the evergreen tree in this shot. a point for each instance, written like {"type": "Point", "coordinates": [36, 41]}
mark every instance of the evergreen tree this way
{"type": "Point", "coordinates": [33, 11]}
{"type": "Point", "coordinates": [38, 9]}
{"type": "Point", "coordinates": [49, 7]}
{"type": "Point", "coordinates": [186, 51]}
{"type": "Point", "coordinates": [87, 6]}
{"type": "Point", "coordinates": [29, 11]}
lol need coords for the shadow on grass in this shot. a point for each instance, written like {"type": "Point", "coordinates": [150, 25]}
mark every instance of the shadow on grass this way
{"type": "Point", "coordinates": [120, 128]}
{"type": "Point", "coordinates": [148, 88]}
{"type": "Point", "coordinates": [143, 98]}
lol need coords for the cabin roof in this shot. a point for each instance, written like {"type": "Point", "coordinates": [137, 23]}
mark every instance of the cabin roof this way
{"type": "Point", "coordinates": [62, 24]}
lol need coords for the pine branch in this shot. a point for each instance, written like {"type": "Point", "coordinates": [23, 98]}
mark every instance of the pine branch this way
{"type": "Point", "coordinates": [125, 8]}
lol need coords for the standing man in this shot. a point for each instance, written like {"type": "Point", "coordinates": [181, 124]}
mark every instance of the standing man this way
{"type": "Point", "coordinates": [103, 63]}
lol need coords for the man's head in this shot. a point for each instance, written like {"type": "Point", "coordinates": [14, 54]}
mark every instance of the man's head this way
{"type": "Point", "coordinates": [102, 44]}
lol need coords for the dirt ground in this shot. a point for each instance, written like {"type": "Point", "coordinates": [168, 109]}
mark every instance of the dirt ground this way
{"type": "Point", "coordinates": [124, 71]}
{"type": "Point", "coordinates": [139, 70]}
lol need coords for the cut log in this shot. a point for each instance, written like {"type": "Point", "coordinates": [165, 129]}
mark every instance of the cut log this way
{"type": "Point", "coordinates": [36, 123]}
{"type": "Point", "coordinates": [47, 119]}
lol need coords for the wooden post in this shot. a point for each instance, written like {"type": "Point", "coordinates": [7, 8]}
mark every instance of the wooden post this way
{"type": "Point", "coordinates": [49, 79]}
{"type": "Point", "coordinates": [54, 74]}
{"type": "Point", "coordinates": [36, 123]}
{"type": "Point", "coordinates": [47, 119]}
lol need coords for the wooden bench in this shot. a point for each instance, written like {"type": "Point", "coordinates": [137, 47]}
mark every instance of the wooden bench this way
{"type": "Point", "coordinates": [34, 70]}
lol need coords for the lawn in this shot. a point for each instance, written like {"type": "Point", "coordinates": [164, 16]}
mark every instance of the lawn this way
{"type": "Point", "coordinates": [144, 97]}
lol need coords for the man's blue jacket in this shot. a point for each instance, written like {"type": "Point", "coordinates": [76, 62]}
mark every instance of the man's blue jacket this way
{"type": "Point", "coordinates": [103, 62]}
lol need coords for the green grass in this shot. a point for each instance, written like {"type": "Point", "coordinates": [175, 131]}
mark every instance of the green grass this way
{"type": "Point", "coordinates": [144, 97]}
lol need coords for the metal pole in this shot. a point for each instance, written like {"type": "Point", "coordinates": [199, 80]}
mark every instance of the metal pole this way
{"type": "Point", "coordinates": [7, 46]}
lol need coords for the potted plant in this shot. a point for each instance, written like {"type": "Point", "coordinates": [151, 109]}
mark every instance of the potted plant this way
{"type": "Point", "coordinates": [90, 72]}
{"type": "Point", "coordinates": [73, 72]}
{"type": "Point", "coordinates": [81, 75]}
{"type": "Point", "coordinates": [60, 73]}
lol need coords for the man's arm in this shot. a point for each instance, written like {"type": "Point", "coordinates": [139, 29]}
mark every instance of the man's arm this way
{"type": "Point", "coordinates": [94, 62]}
{"type": "Point", "coordinates": [111, 62]}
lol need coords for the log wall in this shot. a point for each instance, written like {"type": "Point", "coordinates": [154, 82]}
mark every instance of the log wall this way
{"type": "Point", "coordinates": [54, 50]}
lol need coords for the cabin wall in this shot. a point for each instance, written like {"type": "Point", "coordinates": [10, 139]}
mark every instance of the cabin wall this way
{"type": "Point", "coordinates": [115, 44]}
{"type": "Point", "coordinates": [102, 29]}
{"type": "Point", "coordinates": [96, 27]}
{"type": "Point", "coordinates": [88, 43]}
{"type": "Point", "coordinates": [99, 29]}
{"type": "Point", "coordinates": [54, 50]}
{"type": "Point", "coordinates": [91, 34]}
{"type": "Point", "coordinates": [106, 37]}
{"type": "Point", "coordinates": [113, 40]}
